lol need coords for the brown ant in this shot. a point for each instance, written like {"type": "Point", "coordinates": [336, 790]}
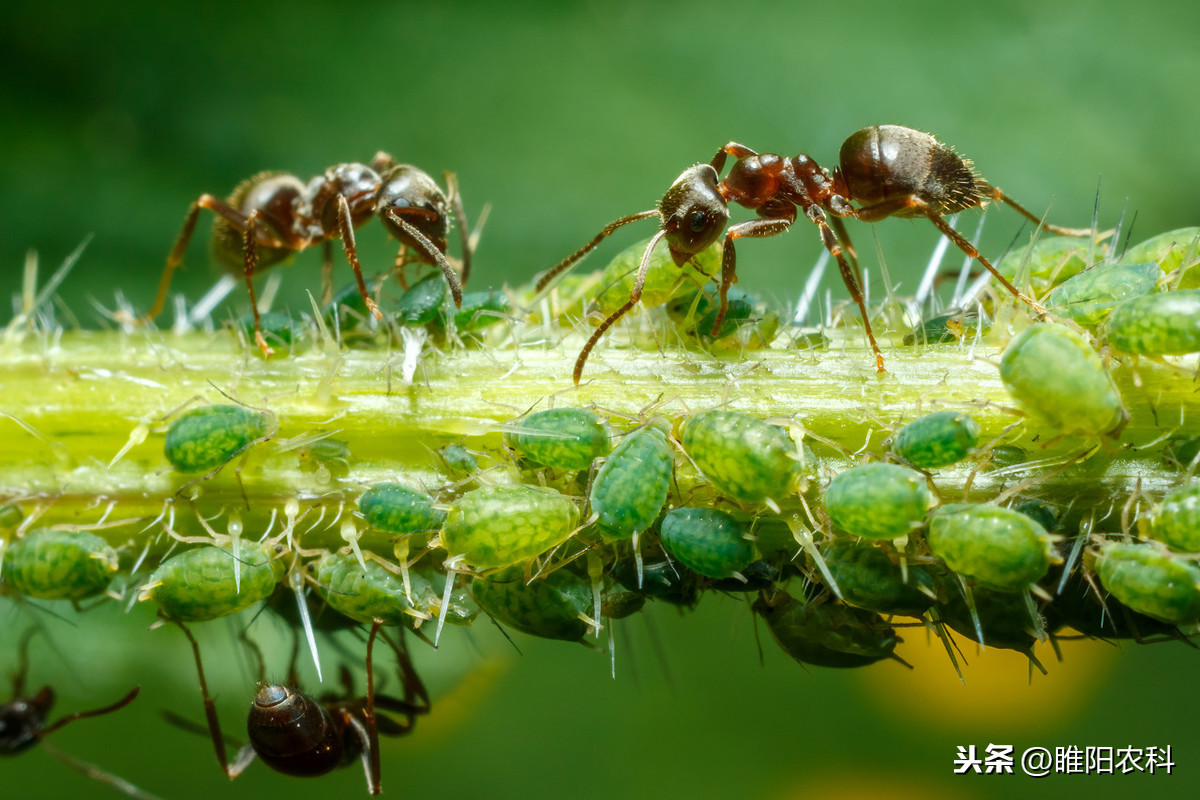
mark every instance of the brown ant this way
{"type": "Point", "coordinates": [273, 215]}
{"type": "Point", "coordinates": [890, 170]}
{"type": "Point", "coordinates": [300, 735]}
{"type": "Point", "coordinates": [23, 724]}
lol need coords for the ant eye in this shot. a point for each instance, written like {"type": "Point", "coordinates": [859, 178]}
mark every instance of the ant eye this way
{"type": "Point", "coordinates": [697, 221]}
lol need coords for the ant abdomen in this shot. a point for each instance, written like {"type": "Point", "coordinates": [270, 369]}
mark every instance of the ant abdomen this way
{"type": "Point", "coordinates": [293, 733]}
{"type": "Point", "coordinates": [274, 194]}
{"type": "Point", "coordinates": [886, 161]}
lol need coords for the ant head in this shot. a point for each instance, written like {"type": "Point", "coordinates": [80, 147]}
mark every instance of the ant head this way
{"type": "Point", "coordinates": [22, 720]}
{"type": "Point", "coordinates": [358, 183]}
{"type": "Point", "coordinates": [693, 212]}
{"type": "Point", "coordinates": [409, 199]}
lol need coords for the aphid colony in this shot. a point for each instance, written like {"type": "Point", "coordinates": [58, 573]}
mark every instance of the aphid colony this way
{"type": "Point", "coordinates": [561, 521]}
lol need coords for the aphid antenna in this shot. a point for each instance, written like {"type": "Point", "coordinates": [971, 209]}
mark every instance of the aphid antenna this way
{"type": "Point", "coordinates": [929, 277]}
{"type": "Point", "coordinates": [1063, 464]}
{"type": "Point", "coordinates": [942, 631]}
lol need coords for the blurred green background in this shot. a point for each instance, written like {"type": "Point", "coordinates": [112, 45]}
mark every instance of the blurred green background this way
{"type": "Point", "coordinates": [565, 116]}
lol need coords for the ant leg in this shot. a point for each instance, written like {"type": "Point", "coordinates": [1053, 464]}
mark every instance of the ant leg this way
{"type": "Point", "coordinates": [327, 273]}
{"type": "Point", "coordinates": [461, 218]}
{"type": "Point", "coordinates": [634, 296]}
{"type": "Point", "coordinates": [210, 708]}
{"type": "Point", "coordinates": [416, 697]}
{"type": "Point", "coordinates": [755, 228]}
{"type": "Point", "coordinates": [22, 663]}
{"type": "Point", "coordinates": [346, 229]}
{"type": "Point", "coordinates": [250, 248]}
{"type": "Point", "coordinates": [843, 236]}
{"type": "Point", "coordinates": [97, 774]}
{"type": "Point", "coordinates": [834, 246]}
{"type": "Point", "coordinates": [972, 252]}
{"type": "Point", "coordinates": [430, 251]}
{"type": "Point", "coordinates": [570, 260]}
{"type": "Point", "coordinates": [373, 773]}
{"type": "Point", "coordinates": [995, 194]}
{"type": "Point", "coordinates": [95, 712]}
{"type": "Point", "coordinates": [734, 149]}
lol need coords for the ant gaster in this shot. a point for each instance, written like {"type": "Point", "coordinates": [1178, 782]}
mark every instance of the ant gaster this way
{"type": "Point", "coordinates": [273, 215]}
{"type": "Point", "coordinates": [23, 724]}
{"type": "Point", "coordinates": [889, 170]}
{"type": "Point", "coordinates": [303, 736]}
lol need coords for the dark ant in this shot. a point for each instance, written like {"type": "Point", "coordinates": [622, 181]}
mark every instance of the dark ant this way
{"type": "Point", "coordinates": [273, 215]}
{"type": "Point", "coordinates": [23, 724]}
{"type": "Point", "coordinates": [890, 170]}
{"type": "Point", "coordinates": [299, 735]}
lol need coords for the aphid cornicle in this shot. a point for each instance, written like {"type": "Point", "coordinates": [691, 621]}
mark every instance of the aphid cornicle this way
{"type": "Point", "coordinates": [273, 215]}
{"type": "Point", "coordinates": [890, 170]}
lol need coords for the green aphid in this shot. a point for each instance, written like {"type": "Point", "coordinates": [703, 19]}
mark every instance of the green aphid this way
{"type": "Point", "coordinates": [1040, 512]}
{"type": "Point", "coordinates": [1151, 581]}
{"type": "Point", "coordinates": [399, 510]}
{"type": "Point", "coordinates": [1177, 522]}
{"type": "Point", "coordinates": [550, 607]}
{"type": "Point", "coordinates": [1003, 617]}
{"type": "Point", "coordinates": [460, 462]}
{"type": "Point", "coordinates": [951, 327]}
{"type": "Point", "coordinates": [746, 459]}
{"type": "Point", "coordinates": [1057, 377]}
{"type": "Point", "coordinates": [280, 330]}
{"type": "Point", "coordinates": [495, 526]}
{"type": "Point", "coordinates": [827, 634]}
{"type": "Point", "coordinates": [937, 440]}
{"type": "Point", "coordinates": [347, 310]}
{"type": "Point", "coordinates": [58, 565]}
{"type": "Point", "coordinates": [207, 438]}
{"type": "Point", "coordinates": [462, 608]}
{"type": "Point", "coordinates": [1080, 607]}
{"type": "Point", "coordinates": [201, 584]}
{"type": "Point", "coordinates": [1051, 261]}
{"type": "Point", "coordinates": [1157, 325]}
{"type": "Point", "coordinates": [560, 438]}
{"type": "Point", "coordinates": [422, 302]}
{"type": "Point", "coordinates": [696, 312]}
{"type": "Point", "coordinates": [370, 594]}
{"type": "Point", "coordinates": [996, 547]}
{"type": "Point", "coordinates": [479, 310]}
{"type": "Point", "coordinates": [663, 277]}
{"type": "Point", "coordinates": [878, 501]}
{"type": "Point", "coordinates": [11, 516]}
{"type": "Point", "coordinates": [869, 579]}
{"type": "Point", "coordinates": [1169, 250]}
{"type": "Point", "coordinates": [1181, 451]}
{"type": "Point", "coordinates": [331, 455]}
{"type": "Point", "coordinates": [630, 489]}
{"type": "Point", "coordinates": [1003, 456]}
{"type": "Point", "coordinates": [708, 541]}
{"type": "Point", "coordinates": [1091, 295]}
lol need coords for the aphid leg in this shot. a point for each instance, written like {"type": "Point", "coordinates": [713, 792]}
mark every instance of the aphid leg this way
{"type": "Point", "coordinates": [570, 260]}
{"type": "Point", "coordinates": [755, 228]}
{"type": "Point", "coordinates": [634, 296]}
{"type": "Point", "coordinates": [834, 246]}
{"type": "Point", "coordinates": [431, 253]}
{"type": "Point", "coordinates": [460, 218]}
{"type": "Point", "coordinates": [346, 229]}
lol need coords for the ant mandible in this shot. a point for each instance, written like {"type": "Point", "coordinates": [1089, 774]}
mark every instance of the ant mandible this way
{"type": "Point", "coordinates": [273, 215]}
{"type": "Point", "coordinates": [890, 170]}
{"type": "Point", "coordinates": [299, 735]}
{"type": "Point", "coordinates": [23, 724]}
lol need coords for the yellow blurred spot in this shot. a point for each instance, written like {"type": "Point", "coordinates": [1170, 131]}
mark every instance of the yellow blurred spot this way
{"type": "Point", "coordinates": [451, 711]}
{"type": "Point", "coordinates": [999, 693]}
